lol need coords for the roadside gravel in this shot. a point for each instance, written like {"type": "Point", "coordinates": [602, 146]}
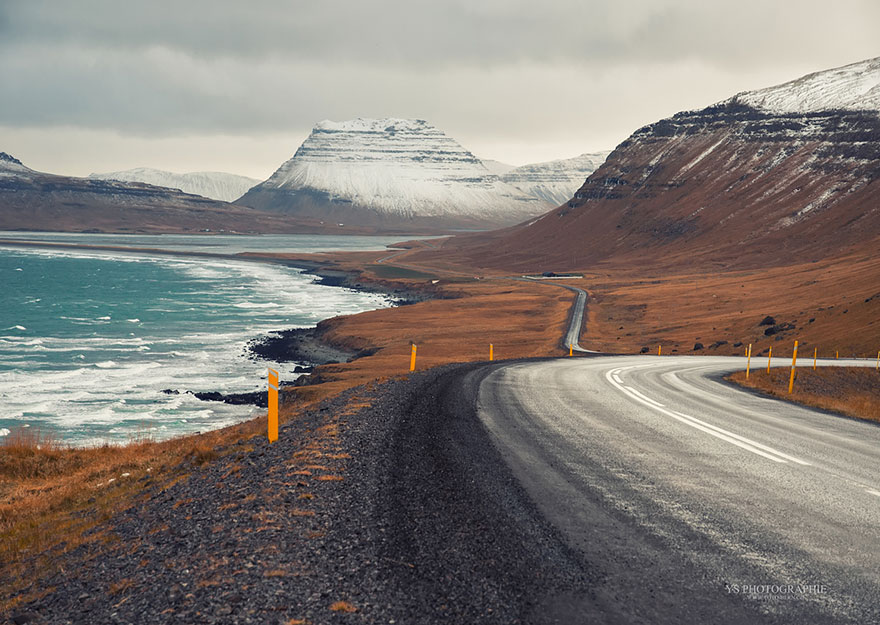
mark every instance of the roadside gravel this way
{"type": "Point", "coordinates": [382, 505]}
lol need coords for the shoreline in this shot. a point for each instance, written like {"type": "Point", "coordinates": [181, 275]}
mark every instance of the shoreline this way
{"type": "Point", "coordinates": [307, 346]}
{"type": "Point", "coordinates": [324, 270]}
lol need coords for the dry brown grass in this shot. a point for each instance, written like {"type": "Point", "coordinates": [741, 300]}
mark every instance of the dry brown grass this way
{"type": "Point", "coordinates": [851, 391]}
{"type": "Point", "coordinates": [51, 494]}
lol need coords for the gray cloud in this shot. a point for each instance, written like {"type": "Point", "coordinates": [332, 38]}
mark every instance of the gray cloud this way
{"type": "Point", "coordinates": [431, 32]}
{"type": "Point", "coordinates": [498, 71]}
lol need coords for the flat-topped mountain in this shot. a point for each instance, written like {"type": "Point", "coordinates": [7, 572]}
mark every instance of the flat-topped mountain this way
{"type": "Point", "coordinates": [394, 174]}
{"type": "Point", "coordinates": [765, 177]}
{"type": "Point", "coordinates": [211, 184]}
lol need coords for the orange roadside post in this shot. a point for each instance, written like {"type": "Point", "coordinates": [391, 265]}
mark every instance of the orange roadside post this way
{"type": "Point", "coordinates": [273, 405]}
{"type": "Point", "coordinates": [749, 360]}
{"type": "Point", "coordinates": [412, 358]}
{"type": "Point", "coordinates": [793, 365]}
{"type": "Point", "coordinates": [769, 357]}
{"type": "Point", "coordinates": [491, 352]}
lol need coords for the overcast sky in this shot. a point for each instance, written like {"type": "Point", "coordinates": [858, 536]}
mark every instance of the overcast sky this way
{"type": "Point", "coordinates": [103, 85]}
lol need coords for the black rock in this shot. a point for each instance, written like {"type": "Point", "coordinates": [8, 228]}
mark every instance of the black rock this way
{"type": "Point", "coordinates": [768, 321]}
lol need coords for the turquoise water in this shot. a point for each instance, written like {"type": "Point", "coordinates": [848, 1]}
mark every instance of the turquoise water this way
{"type": "Point", "coordinates": [88, 341]}
{"type": "Point", "coordinates": [215, 243]}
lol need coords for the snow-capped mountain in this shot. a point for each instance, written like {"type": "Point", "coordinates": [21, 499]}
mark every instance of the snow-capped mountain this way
{"type": "Point", "coordinates": [34, 200]}
{"type": "Point", "coordinates": [852, 87]}
{"type": "Point", "coordinates": [555, 182]}
{"type": "Point", "coordinates": [393, 174]}
{"type": "Point", "coordinates": [211, 184]}
{"type": "Point", "coordinates": [777, 175]}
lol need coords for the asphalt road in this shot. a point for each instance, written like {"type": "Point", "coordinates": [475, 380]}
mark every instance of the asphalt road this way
{"type": "Point", "coordinates": [575, 317]}
{"type": "Point", "coordinates": [690, 500]}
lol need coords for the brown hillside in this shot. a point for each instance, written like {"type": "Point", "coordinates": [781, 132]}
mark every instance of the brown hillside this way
{"type": "Point", "coordinates": [728, 186]}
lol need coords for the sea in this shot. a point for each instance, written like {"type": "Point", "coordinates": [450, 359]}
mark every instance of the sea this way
{"type": "Point", "coordinates": [91, 340]}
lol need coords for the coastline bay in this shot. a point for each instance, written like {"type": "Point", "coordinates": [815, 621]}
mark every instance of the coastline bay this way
{"type": "Point", "coordinates": [101, 346]}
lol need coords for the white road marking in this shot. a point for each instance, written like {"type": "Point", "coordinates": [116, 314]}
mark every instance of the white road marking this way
{"type": "Point", "coordinates": [720, 433]}
{"type": "Point", "coordinates": [642, 396]}
{"type": "Point", "coordinates": [873, 492]}
{"type": "Point", "coordinates": [745, 440]}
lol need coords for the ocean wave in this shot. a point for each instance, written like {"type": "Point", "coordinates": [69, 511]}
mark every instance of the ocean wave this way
{"type": "Point", "coordinates": [256, 305]}
{"type": "Point", "coordinates": [4, 432]}
{"type": "Point", "coordinates": [15, 328]}
{"type": "Point", "coordinates": [16, 340]}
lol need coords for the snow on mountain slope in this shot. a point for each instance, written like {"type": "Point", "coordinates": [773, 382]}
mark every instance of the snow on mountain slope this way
{"type": "Point", "coordinates": [767, 177]}
{"type": "Point", "coordinates": [555, 182]}
{"type": "Point", "coordinates": [497, 167]}
{"type": "Point", "coordinates": [391, 173]}
{"type": "Point", "coordinates": [11, 166]}
{"type": "Point", "coordinates": [852, 87]}
{"type": "Point", "coordinates": [211, 184]}
{"type": "Point", "coordinates": [35, 200]}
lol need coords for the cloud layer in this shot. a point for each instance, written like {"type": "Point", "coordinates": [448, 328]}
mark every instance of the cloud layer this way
{"type": "Point", "coordinates": [492, 72]}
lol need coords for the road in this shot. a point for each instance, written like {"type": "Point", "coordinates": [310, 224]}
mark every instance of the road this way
{"type": "Point", "coordinates": [693, 500]}
{"type": "Point", "coordinates": [576, 315]}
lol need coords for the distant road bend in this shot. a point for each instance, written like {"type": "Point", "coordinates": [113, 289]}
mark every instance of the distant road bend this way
{"type": "Point", "coordinates": [575, 317]}
{"type": "Point", "coordinates": [689, 499]}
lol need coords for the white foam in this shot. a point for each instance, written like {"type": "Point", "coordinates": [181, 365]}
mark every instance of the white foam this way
{"type": "Point", "coordinates": [94, 383]}
{"type": "Point", "coordinates": [4, 432]}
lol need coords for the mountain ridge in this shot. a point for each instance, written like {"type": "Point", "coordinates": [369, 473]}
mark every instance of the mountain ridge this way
{"type": "Point", "coordinates": [730, 184]}
{"type": "Point", "coordinates": [210, 184]}
{"type": "Point", "coordinates": [34, 200]}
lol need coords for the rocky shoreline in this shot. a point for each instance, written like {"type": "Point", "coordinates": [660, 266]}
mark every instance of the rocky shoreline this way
{"type": "Point", "coordinates": [309, 346]}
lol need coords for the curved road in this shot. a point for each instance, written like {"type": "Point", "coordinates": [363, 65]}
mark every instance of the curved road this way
{"type": "Point", "coordinates": [697, 501]}
{"type": "Point", "coordinates": [576, 315]}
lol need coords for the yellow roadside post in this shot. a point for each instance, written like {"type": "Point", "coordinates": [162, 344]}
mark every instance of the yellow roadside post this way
{"type": "Point", "coordinates": [273, 405]}
{"type": "Point", "coordinates": [793, 365]}
{"type": "Point", "coordinates": [769, 356]}
{"type": "Point", "coordinates": [836, 354]}
{"type": "Point", "coordinates": [412, 358]}
{"type": "Point", "coordinates": [491, 353]}
{"type": "Point", "coordinates": [570, 350]}
{"type": "Point", "coordinates": [815, 351]}
{"type": "Point", "coordinates": [749, 361]}
{"type": "Point", "coordinates": [659, 349]}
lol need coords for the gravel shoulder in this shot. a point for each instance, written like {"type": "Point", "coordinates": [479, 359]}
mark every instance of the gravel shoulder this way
{"type": "Point", "coordinates": [383, 504]}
